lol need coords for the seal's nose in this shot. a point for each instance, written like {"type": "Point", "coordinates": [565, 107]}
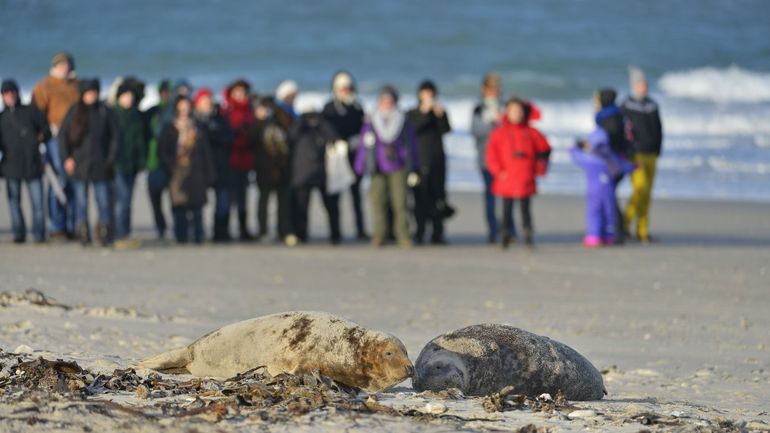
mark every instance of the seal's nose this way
{"type": "Point", "coordinates": [410, 370]}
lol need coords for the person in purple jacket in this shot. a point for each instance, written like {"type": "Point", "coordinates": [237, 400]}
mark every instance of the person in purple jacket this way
{"type": "Point", "coordinates": [602, 166]}
{"type": "Point", "coordinates": [388, 152]}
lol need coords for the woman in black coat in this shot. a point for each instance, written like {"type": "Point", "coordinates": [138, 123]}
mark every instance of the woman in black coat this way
{"type": "Point", "coordinates": [22, 129]}
{"type": "Point", "coordinates": [183, 149]}
{"type": "Point", "coordinates": [90, 136]}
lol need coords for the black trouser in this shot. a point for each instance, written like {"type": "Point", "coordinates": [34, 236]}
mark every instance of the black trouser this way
{"type": "Point", "coordinates": [427, 196]}
{"type": "Point", "coordinates": [282, 196]}
{"type": "Point", "coordinates": [526, 216]}
{"type": "Point", "coordinates": [358, 212]}
{"type": "Point", "coordinates": [301, 198]}
{"type": "Point", "coordinates": [619, 229]}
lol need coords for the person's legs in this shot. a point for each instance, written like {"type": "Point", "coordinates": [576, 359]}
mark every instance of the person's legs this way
{"type": "Point", "coordinates": [197, 221]}
{"type": "Point", "coordinates": [35, 189]}
{"type": "Point", "coordinates": [397, 190]}
{"type": "Point", "coordinates": [222, 212]}
{"type": "Point", "coordinates": [332, 205]}
{"type": "Point", "coordinates": [239, 189]}
{"type": "Point", "coordinates": [301, 205]}
{"type": "Point", "coordinates": [378, 194]}
{"type": "Point", "coordinates": [284, 212]}
{"type": "Point", "coordinates": [81, 210]}
{"type": "Point", "coordinates": [526, 220]}
{"type": "Point", "coordinates": [594, 218]}
{"type": "Point", "coordinates": [180, 223]}
{"type": "Point", "coordinates": [157, 180]}
{"type": "Point", "coordinates": [648, 165]}
{"type": "Point", "coordinates": [103, 195]}
{"type": "Point", "coordinates": [507, 221]}
{"type": "Point", "coordinates": [489, 206]}
{"type": "Point", "coordinates": [262, 204]}
{"type": "Point", "coordinates": [56, 211]}
{"type": "Point", "coordinates": [436, 204]}
{"type": "Point", "coordinates": [355, 195]}
{"type": "Point", "coordinates": [122, 205]}
{"type": "Point", "coordinates": [619, 228]}
{"type": "Point", "coordinates": [13, 189]}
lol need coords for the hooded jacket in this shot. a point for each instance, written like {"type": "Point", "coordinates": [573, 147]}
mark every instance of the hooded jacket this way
{"type": "Point", "coordinates": [132, 147]}
{"type": "Point", "coordinates": [240, 116]}
{"type": "Point", "coordinates": [429, 130]}
{"type": "Point", "coordinates": [54, 97]}
{"type": "Point", "coordinates": [515, 155]}
{"type": "Point", "coordinates": [375, 155]}
{"type": "Point", "coordinates": [22, 128]}
{"type": "Point", "coordinates": [189, 181]}
{"type": "Point", "coordinates": [309, 137]}
{"type": "Point", "coordinates": [220, 138]}
{"type": "Point", "coordinates": [95, 155]}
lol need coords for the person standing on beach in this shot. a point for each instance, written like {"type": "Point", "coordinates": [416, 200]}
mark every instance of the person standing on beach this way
{"type": "Point", "coordinates": [54, 95]}
{"type": "Point", "coordinates": [269, 139]}
{"type": "Point", "coordinates": [647, 131]}
{"type": "Point", "coordinates": [516, 155]}
{"type": "Point", "coordinates": [487, 115]}
{"type": "Point", "coordinates": [157, 178]}
{"type": "Point", "coordinates": [220, 138]}
{"type": "Point", "coordinates": [613, 122]}
{"type": "Point", "coordinates": [309, 137]}
{"type": "Point", "coordinates": [89, 134]}
{"type": "Point", "coordinates": [239, 113]}
{"type": "Point", "coordinates": [346, 115]}
{"type": "Point", "coordinates": [22, 129]}
{"type": "Point", "coordinates": [430, 123]}
{"type": "Point", "coordinates": [131, 157]}
{"type": "Point", "coordinates": [184, 151]}
{"type": "Point", "coordinates": [388, 152]}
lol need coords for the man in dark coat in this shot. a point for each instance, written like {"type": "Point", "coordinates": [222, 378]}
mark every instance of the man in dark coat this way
{"type": "Point", "coordinates": [430, 123]}
{"type": "Point", "coordinates": [22, 129]}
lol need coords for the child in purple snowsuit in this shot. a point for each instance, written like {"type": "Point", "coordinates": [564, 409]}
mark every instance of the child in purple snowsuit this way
{"type": "Point", "coordinates": [602, 166]}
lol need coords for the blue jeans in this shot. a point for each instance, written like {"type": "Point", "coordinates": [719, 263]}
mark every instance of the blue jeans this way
{"type": "Point", "coordinates": [61, 217]}
{"type": "Point", "coordinates": [157, 181]}
{"type": "Point", "coordinates": [35, 189]}
{"type": "Point", "coordinates": [222, 206]}
{"type": "Point", "coordinates": [489, 204]}
{"type": "Point", "coordinates": [103, 202]}
{"type": "Point", "coordinates": [182, 217]}
{"type": "Point", "coordinates": [124, 190]}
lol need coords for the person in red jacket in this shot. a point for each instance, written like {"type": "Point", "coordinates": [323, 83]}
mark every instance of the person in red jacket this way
{"type": "Point", "coordinates": [516, 154]}
{"type": "Point", "coordinates": [238, 111]}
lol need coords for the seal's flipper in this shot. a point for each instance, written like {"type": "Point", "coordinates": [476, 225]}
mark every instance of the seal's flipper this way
{"type": "Point", "coordinates": [173, 361]}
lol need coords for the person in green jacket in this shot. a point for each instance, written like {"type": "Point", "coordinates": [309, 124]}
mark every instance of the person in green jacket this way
{"type": "Point", "coordinates": [131, 157]}
{"type": "Point", "coordinates": [157, 178]}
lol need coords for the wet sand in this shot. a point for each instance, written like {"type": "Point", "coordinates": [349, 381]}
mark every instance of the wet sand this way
{"type": "Point", "coordinates": [680, 327]}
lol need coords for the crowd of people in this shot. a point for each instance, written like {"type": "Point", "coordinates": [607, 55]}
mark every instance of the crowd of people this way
{"type": "Point", "coordinates": [73, 140]}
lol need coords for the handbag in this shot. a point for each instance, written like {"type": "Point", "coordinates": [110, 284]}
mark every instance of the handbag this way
{"type": "Point", "coordinates": [339, 175]}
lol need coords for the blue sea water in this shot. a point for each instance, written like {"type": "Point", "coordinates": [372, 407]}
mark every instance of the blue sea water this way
{"type": "Point", "coordinates": [708, 63]}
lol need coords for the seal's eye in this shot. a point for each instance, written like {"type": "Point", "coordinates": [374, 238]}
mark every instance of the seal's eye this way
{"type": "Point", "coordinates": [388, 354]}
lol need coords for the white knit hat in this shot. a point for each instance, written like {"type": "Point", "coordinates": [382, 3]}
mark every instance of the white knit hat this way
{"type": "Point", "coordinates": [286, 88]}
{"type": "Point", "coordinates": [635, 75]}
{"type": "Point", "coordinates": [341, 81]}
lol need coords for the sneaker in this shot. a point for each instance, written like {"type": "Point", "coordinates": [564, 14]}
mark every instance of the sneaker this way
{"type": "Point", "coordinates": [592, 241]}
{"type": "Point", "coordinates": [291, 240]}
{"type": "Point", "coordinates": [405, 244]}
{"type": "Point", "coordinates": [377, 242]}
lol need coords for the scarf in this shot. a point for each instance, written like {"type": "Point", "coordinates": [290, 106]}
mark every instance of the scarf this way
{"type": "Point", "coordinates": [388, 126]}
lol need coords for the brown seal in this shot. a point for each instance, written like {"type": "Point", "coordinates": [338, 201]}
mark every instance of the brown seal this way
{"type": "Point", "coordinates": [294, 342]}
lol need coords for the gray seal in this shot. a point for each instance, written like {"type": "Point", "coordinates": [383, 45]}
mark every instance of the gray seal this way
{"type": "Point", "coordinates": [294, 342]}
{"type": "Point", "coordinates": [483, 359]}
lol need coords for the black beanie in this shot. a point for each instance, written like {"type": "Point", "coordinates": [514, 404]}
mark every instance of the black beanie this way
{"type": "Point", "coordinates": [607, 97]}
{"type": "Point", "coordinates": [428, 85]}
{"type": "Point", "coordinates": [123, 88]}
{"type": "Point", "coordinates": [9, 86]}
{"type": "Point", "coordinates": [86, 85]}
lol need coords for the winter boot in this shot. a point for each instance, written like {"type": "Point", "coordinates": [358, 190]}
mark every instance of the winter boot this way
{"type": "Point", "coordinates": [245, 235]}
{"type": "Point", "coordinates": [84, 234]}
{"type": "Point", "coordinates": [103, 234]}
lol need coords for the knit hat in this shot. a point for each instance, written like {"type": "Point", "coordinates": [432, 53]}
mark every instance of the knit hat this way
{"type": "Point", "coordinates": [635, 75]}
{"type": "Point", "coordinates": [389, 90]}
{"type": "Point", "coordinates": [491, 80]}
{"type": "Point", "coordinates": [63, 57]}
{"type": "Point", "coordinates": [239, 83]}
{"type": "Point", "coordinates": [202, 93]}
{"type": "Point", "coordinates": [9, 86]}
{"type": "Point", "coordinates": [427, 85]}
{"type": "Point", "coordinates": [342, 80]}
{"type": "Point", "coordinates": [181, 82]}
{"type": "Point", "coordinates": [89, 84]}
{"type": "Point", "coordinates": [286, 88]}
{"type": "Point", "coordinates": [164, 85]}
{"type": "Point", "coordinates": [606, 97]}
{"type": "Point", "coordinates": [123, 88]}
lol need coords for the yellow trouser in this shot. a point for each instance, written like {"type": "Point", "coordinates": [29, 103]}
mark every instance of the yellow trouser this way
{"type": "Point", "coordinates": [639, 204]}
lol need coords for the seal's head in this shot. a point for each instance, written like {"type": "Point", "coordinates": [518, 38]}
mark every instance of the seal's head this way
{"type": "Point", "coordinates": [384, 360]}
{"type": "Point", "coordinates": [439, 368]}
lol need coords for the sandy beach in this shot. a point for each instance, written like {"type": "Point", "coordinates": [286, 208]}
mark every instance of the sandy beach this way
{"type": "Point", "coordinates": [680, 328]}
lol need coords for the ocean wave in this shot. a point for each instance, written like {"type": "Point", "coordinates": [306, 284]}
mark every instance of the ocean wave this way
{"type": "Point", "coordinates": [731, 84]}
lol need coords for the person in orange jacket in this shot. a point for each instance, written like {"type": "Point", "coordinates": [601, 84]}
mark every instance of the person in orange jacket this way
{"type": "Point", "coordinates": [516, 155]}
